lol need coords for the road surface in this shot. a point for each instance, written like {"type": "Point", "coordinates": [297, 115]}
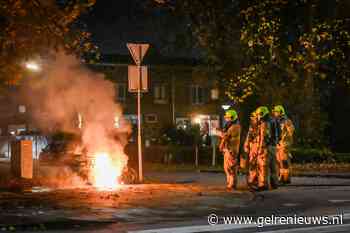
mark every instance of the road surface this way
{"type": "Point", "coordinates": [179, 203]}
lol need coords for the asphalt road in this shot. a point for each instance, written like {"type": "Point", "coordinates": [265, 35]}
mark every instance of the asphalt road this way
{"type": "Point", "coordinates": [184, 205]}
{"type": "Point", "coordinates": [306, 197]}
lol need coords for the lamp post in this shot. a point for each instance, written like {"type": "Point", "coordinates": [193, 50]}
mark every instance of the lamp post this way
{"type": "Point", "coordinates": [36, 67]}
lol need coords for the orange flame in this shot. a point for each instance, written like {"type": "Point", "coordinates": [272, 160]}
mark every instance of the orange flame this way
{"type": "Point", "coordinates": [106, 171]}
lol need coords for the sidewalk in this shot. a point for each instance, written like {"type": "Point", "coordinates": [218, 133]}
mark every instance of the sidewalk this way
{"type": "Point", "coordinates": [340, 175]}
{"type": "Point", "coordinates": [323, 174]}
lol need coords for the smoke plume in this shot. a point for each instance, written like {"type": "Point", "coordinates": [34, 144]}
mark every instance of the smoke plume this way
{"type": "Point", "coordinates": [67, 92]}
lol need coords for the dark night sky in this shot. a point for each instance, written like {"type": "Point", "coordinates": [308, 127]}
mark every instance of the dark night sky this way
{"type": "Point", "coordinates": [114, 23]}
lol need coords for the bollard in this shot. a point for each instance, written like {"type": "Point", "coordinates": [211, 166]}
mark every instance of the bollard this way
{"type": "Point", "coordinates": [22, 159]}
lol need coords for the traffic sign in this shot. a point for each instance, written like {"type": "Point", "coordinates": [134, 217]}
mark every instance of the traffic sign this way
{"type": "Point", "coordinates": [134, 78]}
{"type": "Point", "coordinates": [138, 51]}
{"type": "Point", "coordinates": [138, 82]}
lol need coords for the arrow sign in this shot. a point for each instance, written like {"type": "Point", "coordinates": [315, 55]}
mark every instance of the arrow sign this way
{"type": "Point", "coordinates": [138, 51]}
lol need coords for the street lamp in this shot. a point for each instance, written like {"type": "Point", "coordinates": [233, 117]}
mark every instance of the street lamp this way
{"type": "Point", "coordinates": [226, 107]}
{"type": "Point", "coordinates": [33, 66]}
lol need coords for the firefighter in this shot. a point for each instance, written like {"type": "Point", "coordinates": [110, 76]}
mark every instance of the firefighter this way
{"type": "Point", "coordinates": [250, 148]}
{"type": "Point", "coordinates": [263, 141]}
{"type": "Point", "coordinates": [284, 144]}
{"type": "Point", "coordinates": [229, 146]}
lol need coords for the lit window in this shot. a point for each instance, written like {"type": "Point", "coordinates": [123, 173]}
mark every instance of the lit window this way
{"type": "Point", "coordinates": [21, 109]}
{"type": "Point", "coordinates": [182, 122]}
{"type": "Point", "coordinates": [199, 95]}
{"type": "Point", "coordinates": [160, 93]}
{"type": "Point", "coordinates": [131, 118]}
{"type": "Point", "coordinates": [121, 92]}
{"type": "Point", "coordinates": [151, 118]}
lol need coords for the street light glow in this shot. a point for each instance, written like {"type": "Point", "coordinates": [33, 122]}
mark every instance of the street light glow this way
{"type": "Point", "coordinates": [33, 66]}
{"type": "Point", "coordinates": [197, 119]}
{"type": "Point", "coordinates": [225, 107]}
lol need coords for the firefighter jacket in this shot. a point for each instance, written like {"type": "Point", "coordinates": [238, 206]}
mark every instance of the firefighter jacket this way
{"type": "Point", "coordinates": [231, 137]}
{"type": "Point", "coordinates": [251, 138]}
{"type": "Point", "coordinates": [264, 135]}
{"type": "Point", "coordinates": [287, 131]}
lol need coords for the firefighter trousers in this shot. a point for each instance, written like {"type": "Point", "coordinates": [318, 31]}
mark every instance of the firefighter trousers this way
{"type": "Point", "coordinates": [283, 162]}
{"type": "Point", "coordinates": [230, 167]}
{"type": "Point", "coordinates": [253, 169]}
{"type": "Point", "coordinates": [273, 167]}
{"type": "Point", "coordinates": [263, 169]}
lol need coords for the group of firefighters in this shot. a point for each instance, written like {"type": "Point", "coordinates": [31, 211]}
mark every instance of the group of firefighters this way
{"type": "Point", "coordinates": [267, 148]}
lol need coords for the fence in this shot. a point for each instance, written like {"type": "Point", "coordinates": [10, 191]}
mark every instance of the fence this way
{"type": "Point", "coordinates": [173, 154]}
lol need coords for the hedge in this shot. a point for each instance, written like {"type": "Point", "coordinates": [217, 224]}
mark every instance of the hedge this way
{"type": "Point", "coordinates": [186, 155]}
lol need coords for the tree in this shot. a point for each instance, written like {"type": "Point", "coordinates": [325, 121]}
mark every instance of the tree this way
{"type": "Point", "coordinates": [29, 28]}
{"type": "Point", "coordinates": [295, 38]}
{"type": "Point", "coordinates": [292, 52]}
{"type": "Point", "coordinates": [215, 26]}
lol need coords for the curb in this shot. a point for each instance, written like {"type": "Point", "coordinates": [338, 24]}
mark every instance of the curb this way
{"type": "Point", "coordinates": [321, 175]}
{"type": "Point", "coordinates": [324, 175]}
{"type": "Point", "coordinates": [211, 171]}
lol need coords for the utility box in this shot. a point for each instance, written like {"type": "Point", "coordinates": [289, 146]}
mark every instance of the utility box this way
{"type": "Point", "coordinates": [22, 159]}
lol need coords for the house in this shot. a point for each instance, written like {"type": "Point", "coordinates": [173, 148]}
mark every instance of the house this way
{"type": "Point", "coordinates": [180, 92]}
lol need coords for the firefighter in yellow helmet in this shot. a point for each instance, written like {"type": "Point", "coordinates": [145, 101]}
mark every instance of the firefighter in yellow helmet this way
{"type": "Point", "coordinates": [250, 148]}
{"type": "Point", "coordinates": [229, 146]}
{"type": "Point", "coordinates": [263, 140]}
{"type": "Point", "coordinates": [284, 144]}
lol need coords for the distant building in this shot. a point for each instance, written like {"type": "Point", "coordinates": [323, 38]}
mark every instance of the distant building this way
{"type": "Point", "coordinates": [180, 93]}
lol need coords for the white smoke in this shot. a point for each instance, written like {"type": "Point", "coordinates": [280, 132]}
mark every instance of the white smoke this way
{"type": "Point", "coordinates": [67, 89]}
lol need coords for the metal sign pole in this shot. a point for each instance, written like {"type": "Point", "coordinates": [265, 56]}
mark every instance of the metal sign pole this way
{"type": "Point", "coordinates": [139, 118]}
{"type": "Point", "coordinates": [137, 52]}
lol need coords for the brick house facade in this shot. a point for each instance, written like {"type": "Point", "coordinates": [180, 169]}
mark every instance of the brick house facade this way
{"type": "Point", "coordinates": [177, 95]}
